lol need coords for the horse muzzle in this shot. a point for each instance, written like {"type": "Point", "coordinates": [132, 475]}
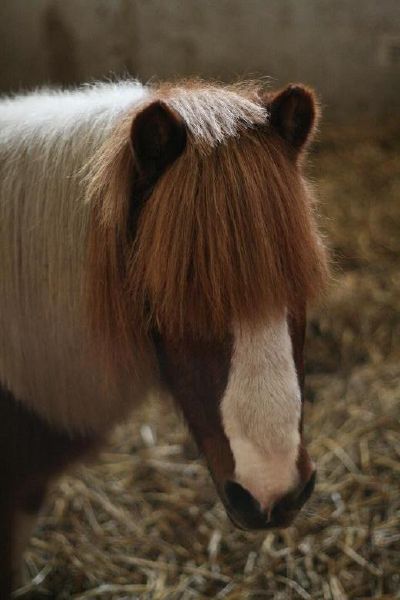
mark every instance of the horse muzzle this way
{"type": "Point", "coordinates": [246, 513]}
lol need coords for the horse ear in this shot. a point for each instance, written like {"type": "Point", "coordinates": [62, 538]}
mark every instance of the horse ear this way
{"type": "Point", "coordinates": [158, 137]}
{"type": "Point", "coordinates": [294, 114]}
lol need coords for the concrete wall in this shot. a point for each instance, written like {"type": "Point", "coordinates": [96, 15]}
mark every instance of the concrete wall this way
{"type": "Point", "coordinates": [348, 49]}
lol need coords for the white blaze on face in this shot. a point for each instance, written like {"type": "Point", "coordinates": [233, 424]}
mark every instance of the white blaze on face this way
{"type": "Point", "coordinates": [261, 411]}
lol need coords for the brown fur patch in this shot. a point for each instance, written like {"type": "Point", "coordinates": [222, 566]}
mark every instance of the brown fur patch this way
{"type": "Point", "coordinates": [228, 233]}
{"type": "Point", "coordinates": [297, 328]}
{"type": "Point", "coordinates": [196, 373]}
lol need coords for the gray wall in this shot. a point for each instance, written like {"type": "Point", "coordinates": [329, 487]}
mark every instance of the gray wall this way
{"type": "Point", "coordinates": [348, 49]}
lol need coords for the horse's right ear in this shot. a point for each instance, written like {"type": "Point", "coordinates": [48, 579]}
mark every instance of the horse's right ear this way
{"type": "Point", "coordinates": [158, 137]}
{"type": "Point", "coordinates": [294, 114]}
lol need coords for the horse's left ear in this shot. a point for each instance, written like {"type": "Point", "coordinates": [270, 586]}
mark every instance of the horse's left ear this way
{"type": "Point", "coordinates": [158, 137]}
{"type": "Point", "coordinates": [294, 114]}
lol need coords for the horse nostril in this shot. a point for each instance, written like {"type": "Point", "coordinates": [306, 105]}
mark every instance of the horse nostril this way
{"type": "Point", "coordinates": [306, 491]}
{"type": "Point", "coordinates": [245, 511]}
{"type": "Point", "coordinates": [295, 500]}
{"type": "Point", "coordinates": [240, 499]}
{"type": "Point", "coordinates": [243, 508]}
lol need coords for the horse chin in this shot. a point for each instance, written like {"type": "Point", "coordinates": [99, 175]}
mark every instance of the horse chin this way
{"type": "Point", "coordinates": [252, 524]}
{"type": "Point", "coordinates": [260, 521]}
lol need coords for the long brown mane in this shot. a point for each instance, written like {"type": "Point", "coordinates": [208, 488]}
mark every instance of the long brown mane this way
{"type": "Point", "coordinates": [228, 234]}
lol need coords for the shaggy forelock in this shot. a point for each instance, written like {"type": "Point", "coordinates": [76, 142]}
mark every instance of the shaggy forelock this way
{"type": "Point", "coordinates": [227, 235]}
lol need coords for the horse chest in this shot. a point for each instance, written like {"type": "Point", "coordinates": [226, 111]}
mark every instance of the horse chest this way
{"type": "Point", "coordinates": [47, 360]}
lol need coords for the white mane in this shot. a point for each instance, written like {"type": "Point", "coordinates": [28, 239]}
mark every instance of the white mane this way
{"type": "Point", "coordinates": [46, 138]}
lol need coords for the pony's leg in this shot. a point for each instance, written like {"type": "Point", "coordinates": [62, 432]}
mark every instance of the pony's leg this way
{"type": "Point", "coordinates": [23, 527]}
{"type": "Point", "coordinates": [6, 576]}
{"type": "Point", "coordinates": [18, 516]}
{"type": "Point", "coordinates": [24, 519]}
{"type": "Point", "coordinates": [32, 453]}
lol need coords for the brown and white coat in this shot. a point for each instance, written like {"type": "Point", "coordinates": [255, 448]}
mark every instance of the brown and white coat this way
{"type": "Point", "coordinates": [151, 239]}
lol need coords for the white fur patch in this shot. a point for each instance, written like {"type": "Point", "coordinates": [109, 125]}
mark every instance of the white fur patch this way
{"type": "Point", "coordinates": [47, 359]}
{"type": "Point", "coordinates": [261, 411]}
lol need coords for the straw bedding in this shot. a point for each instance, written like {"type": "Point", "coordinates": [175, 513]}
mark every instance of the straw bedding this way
{"type": "Point", "coordinates": [143, 520]}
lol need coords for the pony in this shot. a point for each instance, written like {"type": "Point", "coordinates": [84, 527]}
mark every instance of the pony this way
{"type": "Point", "coordinates": [156, 239]}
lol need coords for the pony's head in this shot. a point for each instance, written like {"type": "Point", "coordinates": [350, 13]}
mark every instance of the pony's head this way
{"type": "Point", "coordinates": [203, 244]}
